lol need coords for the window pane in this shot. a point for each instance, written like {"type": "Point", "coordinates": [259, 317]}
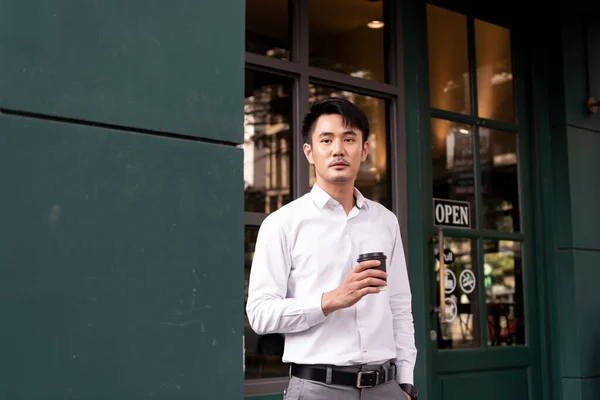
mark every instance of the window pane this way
{"type": "Point", "coordinates": [268, 28]}
{"type": "Point", "coordinates": [373, 175]}
{"type": "Point", "coordinates": [267, 141]}
{"type": "Point", "coordinates": [452, 162]}
{"type": "Point", "coordinates": [263, 352]}
{"type": "Point", "coordinates": [504, 293]}
{"type": "Point", "coordinates": [461, 329]}
{"type": "Point", "coordinates": [499, 180]}
{"type": "Point", "coordinates": [341, 40]}
{"type": "Point", "coordinates": [494, 72]}
{"type": "Point", "coordinates": [448, 60]}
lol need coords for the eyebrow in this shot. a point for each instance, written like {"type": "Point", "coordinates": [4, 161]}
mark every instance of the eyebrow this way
{"type": "Point", "coordinates": [352, 133]}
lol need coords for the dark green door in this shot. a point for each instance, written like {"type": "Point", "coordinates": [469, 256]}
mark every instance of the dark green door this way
{"type": "Point", "coordinates": [485, 345]}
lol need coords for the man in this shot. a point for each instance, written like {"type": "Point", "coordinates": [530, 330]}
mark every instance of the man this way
{"type": "Point", "coordinates": [345, 337]}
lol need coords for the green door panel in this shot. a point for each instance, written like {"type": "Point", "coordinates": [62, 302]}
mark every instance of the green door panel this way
{"type": "Point", "coordinates": [455, 361]}
{"type": "Point", "coordinates": [496, 385]}
{"type": "Point", "coordinates": [165, 66]}
{"type": "Point", "coordinates": [116, 254]}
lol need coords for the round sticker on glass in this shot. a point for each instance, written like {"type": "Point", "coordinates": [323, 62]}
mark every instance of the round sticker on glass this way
{"type": "Point", "coordinates": [467, 281]}
{"type": "Point", "coordinates": [451, 310]}
{"type": "Point", "coordinates": [450, 281]}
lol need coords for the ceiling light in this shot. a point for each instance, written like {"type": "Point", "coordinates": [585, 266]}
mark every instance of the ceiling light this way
{"type": "Point", "coordinates": [375, 24]}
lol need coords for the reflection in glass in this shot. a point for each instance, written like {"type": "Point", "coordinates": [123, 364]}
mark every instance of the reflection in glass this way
{"type": "Point", "coordinates": [268, 28]}
{"type": "Point", "coordinates": [504, 293]}
{"type": "Point", "coordinates": [499, 180]}
{"type": "Point", "coordinates": [267, 141]}
{"type": "Point", "coordinates": [263, 352]}
{"type": "Point", "coordinates": [373, 175]}
{"type": "Point", "coordinates": [341, 40]}
{"type": "Point", "coordinates": [452, 162]}
{"type": "Point", "coordinates": [448, 60]}
{"type": "Point", "coordinates": [461, 329]}
{"type": "Point", "coordinates": [494, 72]}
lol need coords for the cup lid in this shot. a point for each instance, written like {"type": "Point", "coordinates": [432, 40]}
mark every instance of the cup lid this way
{"type": "Point", "coordinates": [368, 256]}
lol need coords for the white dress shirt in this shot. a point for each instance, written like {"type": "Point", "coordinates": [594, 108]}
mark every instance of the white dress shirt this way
{"type": "Point", "coordinates": [307, 248]}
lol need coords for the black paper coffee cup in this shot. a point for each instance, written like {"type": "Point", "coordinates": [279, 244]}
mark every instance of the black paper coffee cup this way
{"type": "Point", "coordinates": [375, 256]}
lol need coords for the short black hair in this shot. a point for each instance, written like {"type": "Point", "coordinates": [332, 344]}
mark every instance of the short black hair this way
{"type": "Point", "coordinates": [352, 116]}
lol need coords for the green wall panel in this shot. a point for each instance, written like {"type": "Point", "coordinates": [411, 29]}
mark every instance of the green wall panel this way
{"type": "Point", "coordinates": [120, 265]}
{"type": "Point", "coordinates": [491, 385]}
{"type": "Point", "coordinates": [584, 165]}
{"type": "Point", "coordinates": [566, 319]}
{"type": "Point", "coordinates": [166, 66]}
{"type": "Point", "coordinates": [581, 389]}
{"type": "Point", "coordinates": [586, 265]}
{"type": "Point", "coordinates": [561, 198]}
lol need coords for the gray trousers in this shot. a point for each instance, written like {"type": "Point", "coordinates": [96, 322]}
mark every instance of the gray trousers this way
{"type": "Point", "coordinates": [302, 389]}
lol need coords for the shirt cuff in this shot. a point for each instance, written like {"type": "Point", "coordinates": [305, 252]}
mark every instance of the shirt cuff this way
{"type": "Point", "coordinates": [404, 375]}
{"type": "Point", "coordinates": [313, 311]}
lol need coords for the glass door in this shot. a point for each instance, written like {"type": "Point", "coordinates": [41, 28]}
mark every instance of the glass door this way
{"type": "Point", "coordinates": [483, 314]}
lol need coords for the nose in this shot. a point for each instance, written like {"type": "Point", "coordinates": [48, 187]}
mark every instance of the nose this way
{"type": "Point", "coordinates": [338, 148]}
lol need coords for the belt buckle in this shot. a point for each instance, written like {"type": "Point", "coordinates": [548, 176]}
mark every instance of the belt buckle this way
{"type": "Point", "coordinates": [359, 377]}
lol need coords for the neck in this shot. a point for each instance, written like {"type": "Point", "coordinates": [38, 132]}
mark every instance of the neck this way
{"type": "Point", "coordinates": [342, 192]}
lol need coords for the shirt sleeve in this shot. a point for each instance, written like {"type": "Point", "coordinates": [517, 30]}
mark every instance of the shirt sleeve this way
{"type": "Point", "coordinates": [401, 306]}
{"type": "Point", "coordinates": [268, 309]}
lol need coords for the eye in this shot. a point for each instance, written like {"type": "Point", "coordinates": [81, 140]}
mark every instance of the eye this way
{"type": "Point", "coordinates": [326, 141]}
{"type": "Point", "coordinates": [349, 140]}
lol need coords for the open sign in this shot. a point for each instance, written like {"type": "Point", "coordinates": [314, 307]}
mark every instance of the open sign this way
{"type": "Point", "coordinates": [451, 213]}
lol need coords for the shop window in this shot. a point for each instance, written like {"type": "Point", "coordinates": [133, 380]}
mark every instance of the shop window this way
{"type": "Point", "coordinates": [348, 37]}
{"type": "Point", "coordinates": [452, 162]}
{"type": "Point", "coordinates": [448, 60]}
{"type": "Point", "coordinates": [504, 293]}
{"type": "Point", "coordinates": [268, 28]}
{"type": "Point", "coordinates": [267, 141]}
{"type": "Point", "coordinates": [267, 187]}
{"type": "Point", "coordinates": [461, 330]}
{"type": "Point", "coordinates": [499, 180]}
{"type": "Point", "coordinates": [494, 72]}
{"type": "Point", "coordinates": [449, 75]}
{"type": "Point", "coordinates": [262, 352]}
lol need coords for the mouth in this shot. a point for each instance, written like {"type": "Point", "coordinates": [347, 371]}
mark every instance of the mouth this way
{"type": "Point", "coordinates": [339, 164]}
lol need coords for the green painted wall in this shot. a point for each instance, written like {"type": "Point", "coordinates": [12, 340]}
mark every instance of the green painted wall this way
{"type": "Point", "coordinates": [575, 143]}
{"type": "Point", "coordinates": [121, 250]}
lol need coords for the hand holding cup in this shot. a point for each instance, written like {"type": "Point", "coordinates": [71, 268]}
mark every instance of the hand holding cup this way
{"type": "Point", "coordinates": [369, 276]}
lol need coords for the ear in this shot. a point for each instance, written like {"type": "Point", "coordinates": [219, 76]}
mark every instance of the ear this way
{"type": "Point", "coordinates": [308, 152]}
{"type": "Point", "coordinates": [365, 151]}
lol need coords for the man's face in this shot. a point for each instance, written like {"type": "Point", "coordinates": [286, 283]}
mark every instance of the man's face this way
{"type": "Point", "coordinates": [336, 151]}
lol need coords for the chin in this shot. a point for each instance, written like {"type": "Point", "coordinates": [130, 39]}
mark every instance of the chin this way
{"type": "Point", "coordinates": [340, 178]}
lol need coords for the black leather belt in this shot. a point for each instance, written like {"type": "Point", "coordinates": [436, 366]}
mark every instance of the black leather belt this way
{"type": "Point", "coordinates": [361, 379]}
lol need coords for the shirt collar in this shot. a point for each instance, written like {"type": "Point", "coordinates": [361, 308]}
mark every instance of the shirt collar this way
{"type": "Point", "coordinates": [321, 197]}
